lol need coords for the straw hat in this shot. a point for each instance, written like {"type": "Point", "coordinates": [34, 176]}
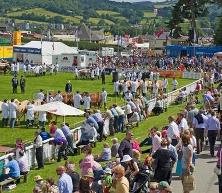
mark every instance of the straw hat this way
{"type": "Point", "coordinates": [126, 158]}
{"type": "Point", "coordinates": [89, 174]}
{"type": "Point", "coordinates": [38, 178]}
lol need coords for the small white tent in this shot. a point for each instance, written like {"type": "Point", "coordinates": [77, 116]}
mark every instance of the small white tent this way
{"type": "Point", "coordinates": [42, 51]}
{"type": "Point", "coordinates": [59, 108]}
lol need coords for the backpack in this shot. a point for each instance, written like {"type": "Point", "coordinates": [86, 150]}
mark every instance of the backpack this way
{"type": "Point", "coordinates": [199, 118]}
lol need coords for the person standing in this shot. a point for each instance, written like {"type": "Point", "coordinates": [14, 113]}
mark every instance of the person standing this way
{"type": "Point", "coordinates": [65, 181]}
{"type": "Point", "coordinates": [42, 117]}
{"type": "Point", "coordinates": [77, 98]}
{"type": "Point", "coordinates": [40, 95]}
{"type": "Point", "coordinates": [125, 147]}
{"type": "Point", "coordinates": [30, 114]}
{"type": "Point", "coordinates": [68, 134]}
{"type": "Point", "coordinates": [14, 84]}
{"type": "Point", "coordinates": [103, 76]}
{"type": "Point", "coordinates": [58, 96]}
{"type": "Point", "coordinates": [68, 87]}
{"type": "Point", "coordinates": [38, 150]}
{"type": "Point", "coordinates": [70, 170]}
{"type": "Point", "coordinates": [174, 84]}
{"type": "Point", "coordinates": [12, 113]}
{"type": "Point", "coordinates": [199, 125]}
{"type": "Point", "coordinates": [165, 84]}
{"type": "Point", "coordinates": [164, 167]}
{"type": "Point", "coordinates": [173, 131]}
{"type": "Point", "coordinates": [22, 84]}
{"type": "Point", "coordinates": [5, 113]}
{"type": "Point", "coordinates": [103, 98]}
{"type": "Point", "coordinates": [213, 129]}
{"type": "Point", "coordinates": [86, 101]}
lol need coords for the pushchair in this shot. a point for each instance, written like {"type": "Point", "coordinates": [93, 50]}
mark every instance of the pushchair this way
{"type": "Point", "coordinates": [140, 184]}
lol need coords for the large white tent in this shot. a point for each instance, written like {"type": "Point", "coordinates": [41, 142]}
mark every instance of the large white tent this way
{"type": "Point", "coordinates": [59, 108]}
{"type": "Point", "coordinates": [42, 51]}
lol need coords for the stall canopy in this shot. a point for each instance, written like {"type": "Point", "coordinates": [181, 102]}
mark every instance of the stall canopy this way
{"type": "Point", "coordinates": [59, 108]}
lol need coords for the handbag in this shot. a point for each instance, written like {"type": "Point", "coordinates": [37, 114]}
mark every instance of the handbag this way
{"type": "Point", "coordinates": [217, 169]}
{"type": "Point", "coordinates": [188, 182]}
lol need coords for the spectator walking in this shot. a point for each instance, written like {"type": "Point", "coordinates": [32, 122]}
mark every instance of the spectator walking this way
{"type": "Point", "coordinates": [38, 150]}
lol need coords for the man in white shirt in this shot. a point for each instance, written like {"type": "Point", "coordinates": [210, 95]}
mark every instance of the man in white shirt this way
{"type": "Point", "coordinates": [133, 88]}
{"type": "Point", "coordinates": [144, 88]}
{"type": "Point", "coordinates": [173, 131]}
{"type": "Point", "coordinates": [5, 113]}
{"type": "Point", "coordinates": [125, 88]}
{"type": "Point", "coordinates": [86, 101]}
{"type": "Point", "coordinates": [42, 118]}
{"type": "Point", "coordinates": [156, 140]}
{"type": "Point", "coordinates": [30, 114]}
{"type": "Point", "coordinates": [174, 83]}
{"type": "Point", "coordinates": [12, 113]}
{"type": "Point", "coordinates": [40, 96]}
{"type": "Point", "coordinates": [165, 84]}
{"type": "Point", "coordinates": [58, 97]}
{"type": "Point", "coordinates": [116, 88]}
{"type": "Point", "coordinates": [103, 98]}
{"type": "Point", "coordinates": [77, 98]}
{"type": "Point", "coordinates": [38, 150]}
{"type": "Point", "coordinates": [183, 123]}
{"type": "Point", "coordinates": [121, 117]}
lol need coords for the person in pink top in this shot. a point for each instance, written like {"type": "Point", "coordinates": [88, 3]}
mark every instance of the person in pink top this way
{"type": "Point", "coordinates": [88, 163]}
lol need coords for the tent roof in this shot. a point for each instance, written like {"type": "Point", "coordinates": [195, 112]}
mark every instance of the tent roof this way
{"type": "Point", "coordinates": [59, 108]}
{"type": "Point", "coordinates": [50, 48]}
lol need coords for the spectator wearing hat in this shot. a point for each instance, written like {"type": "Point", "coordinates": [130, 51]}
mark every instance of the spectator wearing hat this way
{"type": "Point", "coordinates": [107, 180]}
{"type": "Point", "coordinates": [40, 185]}
{"type": "Point", "coordinates": [164, 187]}
{"type": "Point", "coordinates": [70, 170]}
{"type": "Point", "coordinates": [87, 184]}
{"type": "Point", "coordinates": [65, 181]}
{"type": "Point", "coordinates": [131, 167]}
{"type": "Point", "coordinates": [120, 182]}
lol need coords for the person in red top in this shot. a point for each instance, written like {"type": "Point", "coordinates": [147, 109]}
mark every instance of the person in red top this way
{"type": "Point", "coordinates": [52, 128]}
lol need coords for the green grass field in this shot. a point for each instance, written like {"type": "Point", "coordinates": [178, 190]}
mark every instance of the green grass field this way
{"type": "Point", "coordinates": [57, 82]}
{"type": "Point", "coordinates": [53, 83]}
{"type": "Point", "coordinates": [46, 13]}
{"type": "Point", "coordinates": [95, 21]}
{"type": "Point", "coordinates": [104, 12]}
{"type": "Point", "coordinates": [149, 14]}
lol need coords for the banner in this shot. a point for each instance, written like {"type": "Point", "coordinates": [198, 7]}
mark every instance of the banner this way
{"type": "Point", "coordinates": [27, 50]}
{"type": "Point", "coordinates": [6, 52]}
{"type": "Point", "coordinates": [171, 73]}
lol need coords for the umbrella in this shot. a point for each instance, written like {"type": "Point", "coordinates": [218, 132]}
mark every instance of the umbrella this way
{"type": "Point", "coordinates": [59, 108]}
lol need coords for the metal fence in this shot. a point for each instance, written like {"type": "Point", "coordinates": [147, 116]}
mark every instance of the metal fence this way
{"type": "Point", "coordinates": [50, 150]}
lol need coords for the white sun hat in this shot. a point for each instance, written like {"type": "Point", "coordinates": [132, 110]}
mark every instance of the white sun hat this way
{"type": "Point", "coordinates": [126, 158]}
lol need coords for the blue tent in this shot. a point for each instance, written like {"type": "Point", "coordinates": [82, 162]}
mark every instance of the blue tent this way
{"type": "Point", "coordinates": [178, 50]}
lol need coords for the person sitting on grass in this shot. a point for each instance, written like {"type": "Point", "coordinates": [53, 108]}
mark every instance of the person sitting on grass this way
{"type": "Point", "coordinates": [14, 170]}
{"type": "Point", "coordinates": [105, 155]}
{"type": "Point", "coordinates": [40, 185]}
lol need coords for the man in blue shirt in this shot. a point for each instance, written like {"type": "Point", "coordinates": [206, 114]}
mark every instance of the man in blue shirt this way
{"type": "Point", "coordinates": [14, 171]}
{"type": "Point", "coordinates": [65, 181]}
{"type": "Point", "coordinates": [213, 128]}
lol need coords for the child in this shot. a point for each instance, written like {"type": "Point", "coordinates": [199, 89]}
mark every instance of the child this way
{"type": "Point", "coordinates": [105, 155]}
{"type": "Point", "coordinates": [115, 147]}
{"type": "Point", "coordinates": [107, 180]}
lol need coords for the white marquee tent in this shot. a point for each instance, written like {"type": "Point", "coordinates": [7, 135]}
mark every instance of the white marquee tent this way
{"type": "Point", "coordinates": [59, 108]}
{"type": "Point", "coordinates": [42, 51]}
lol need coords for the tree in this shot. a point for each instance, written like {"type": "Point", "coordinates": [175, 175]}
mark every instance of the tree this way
{"type": "Point", "coordinates": [218, 33]}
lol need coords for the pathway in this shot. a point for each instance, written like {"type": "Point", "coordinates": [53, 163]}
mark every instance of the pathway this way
{"type": "Point", "coordinates": [205, 179]}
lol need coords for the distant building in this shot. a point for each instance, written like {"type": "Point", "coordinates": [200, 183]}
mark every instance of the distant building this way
{"type": "Point", "coordinates": [87, 34]}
